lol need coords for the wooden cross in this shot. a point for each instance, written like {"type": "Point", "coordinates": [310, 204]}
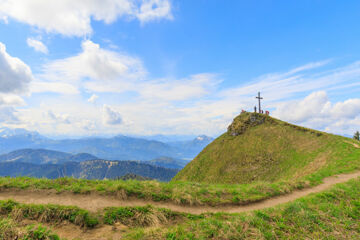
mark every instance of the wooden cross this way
{"type": "Point", "coordinates": [258, 97]}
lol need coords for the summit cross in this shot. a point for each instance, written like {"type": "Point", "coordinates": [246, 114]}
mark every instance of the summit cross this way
{"type": "Point", "coordinates": [258, 97]}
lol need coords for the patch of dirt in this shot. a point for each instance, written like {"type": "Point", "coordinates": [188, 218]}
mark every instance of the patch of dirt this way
{"type": "Point", "coordinates": [352, 143]}
{"type": "Point", "coordinates": [95, 202]}
{"type": "Point", "coordinates": [70, 231]}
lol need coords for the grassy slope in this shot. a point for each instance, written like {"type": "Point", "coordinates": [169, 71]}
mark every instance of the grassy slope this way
{"type": "Point", "coordinates": [333, 214]}
{"type": "Point", "coordinates": [271, 151]}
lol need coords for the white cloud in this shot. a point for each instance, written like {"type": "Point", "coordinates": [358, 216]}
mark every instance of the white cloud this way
{"type": "Point", "coordinates": [96, 64]}
{"type": "Point", "coordinates": [98, 70]}
{"type": "Point", "coordinates": [11, 100]}
{"type": "Point", "coordinates": [317, 111]}
{"type": "Point", "coordinates": [110, 116]}
{"type": "Point", "coordinates": [93, 98]}
{"type": "Point", "coordinates": [54, 87]}
{"type": "Point", "coordinates": [314, 105]}
{"type": "Point", "coordinates": [37, 45]}
{"type": "Point", "coordinates": [154, 9]}
{"type": "Point", "coordinates": [15, 75]}
{"type": "Point", "coordinates": [73, 18]}
{"type": "Point", "coordinates": [347, 109]}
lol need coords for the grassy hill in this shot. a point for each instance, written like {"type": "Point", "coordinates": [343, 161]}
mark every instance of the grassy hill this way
{"type": "Point", "coordinates": [257, 147]}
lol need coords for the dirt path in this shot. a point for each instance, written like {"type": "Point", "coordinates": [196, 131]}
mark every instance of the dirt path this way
{"type": "Point", "coordinates": [354, 144]}
{"type": "Point", "coordinates": [95, 202]}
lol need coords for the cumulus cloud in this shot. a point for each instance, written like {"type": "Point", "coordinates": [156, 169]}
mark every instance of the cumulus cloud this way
{"type": "Point", "coordinates": [73, 18]}
{"type": "Point", "coordinates": [93, 98]}
{"type": "Point", "coordinates": [110, 116]}
{"type": "Point", "coordinates": [314, 105]}
{"type": "Point", "coordinates": [11, 100]}
{"type": "Point", "coordinates": [96, 64]}
{"type": "Point", "coordinates": [15, 75]}
{"type": "Point", "coordinates": [317, 111]}
{"type": "Point", "coordinates": [99, 70]}
{"type": "Point", "coordinates": [37, 45]}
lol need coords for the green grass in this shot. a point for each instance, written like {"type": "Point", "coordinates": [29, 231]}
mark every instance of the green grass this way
{"type": "Point", "coordinates": [333, 214]}
{"type": "Point", "coordinates": [10, 230]}
{"type": "Point", "coordinates": [48, 213]}
{"type": "Point", "coordinates": [141, 216]}
{"type": "Point", "coordinates": [270, 150]}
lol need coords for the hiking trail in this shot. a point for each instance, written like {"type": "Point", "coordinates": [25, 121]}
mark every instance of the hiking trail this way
{"type": "Point", "coordinates": [96, 202]}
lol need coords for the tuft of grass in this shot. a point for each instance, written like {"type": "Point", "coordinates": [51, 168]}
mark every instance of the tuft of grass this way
{"type": "Point", "coordinates": [48, 213]}
{"type": "Point", "coordinates": [39, 232]}
{"type": "Point", "coordinates": [9, 230]}
{"type": "Point", "coordinates": [137, 216]}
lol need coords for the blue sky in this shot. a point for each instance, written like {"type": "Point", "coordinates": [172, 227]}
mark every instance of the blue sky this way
{"type": "Point", "coordinates": [144, 67]}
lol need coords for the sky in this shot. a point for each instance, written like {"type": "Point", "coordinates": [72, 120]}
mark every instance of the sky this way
{"type": "Point", "coordinates": [145, 67]}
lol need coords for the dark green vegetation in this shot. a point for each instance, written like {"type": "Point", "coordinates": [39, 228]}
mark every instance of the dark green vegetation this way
{"type": "Point", "coordinates": [94, 169]}
{"type": "Point", "coordinates": [333, 214]}
{"type": "Point", "coordinates": [44, 156]}
{"type": "Point", "coordinates": [259, 148]}
{"type": "Point", "coordinates": [131, 176]}
{"type": "Point", "coordinates": [357, 135]}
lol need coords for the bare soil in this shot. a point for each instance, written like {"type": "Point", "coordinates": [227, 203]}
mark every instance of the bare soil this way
{"type": "Point", "coordinates": [96, 202]}
{"type": "Point", "coordinates": [354, 144]}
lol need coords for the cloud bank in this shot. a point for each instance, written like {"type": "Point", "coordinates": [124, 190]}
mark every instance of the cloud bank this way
{"type": "Point", "coordinates": [73, 18]}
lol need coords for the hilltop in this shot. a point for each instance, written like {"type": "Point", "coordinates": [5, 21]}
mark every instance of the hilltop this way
{"type": "Point", "coordinates": [257, 147]}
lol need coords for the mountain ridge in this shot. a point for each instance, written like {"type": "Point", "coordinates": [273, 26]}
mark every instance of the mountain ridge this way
{"type": "Point", "coordinates": [92, 169]}
{"type": "Point", "coordinates": [115, 148]}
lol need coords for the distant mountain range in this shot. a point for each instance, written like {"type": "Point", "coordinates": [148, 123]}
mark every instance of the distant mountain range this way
{"type": "Point", "coordinates": [93, 169]}
{"type": "Point", "coordinates": [44, 156]}
{"type": "Point", "coordinates": [115, 148]}
{"type": "Point", "coordinates": [55, 164]}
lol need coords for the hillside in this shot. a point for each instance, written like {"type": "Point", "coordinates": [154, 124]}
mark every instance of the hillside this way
{"type": "Point", "coordinates": [44, 156]}
{"type": "Point", "coordinates": [330, 214]}
{"type": "Point", "coordinates": [93, 169]}
{"type": "Point", "coordinates": [257, 147]}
